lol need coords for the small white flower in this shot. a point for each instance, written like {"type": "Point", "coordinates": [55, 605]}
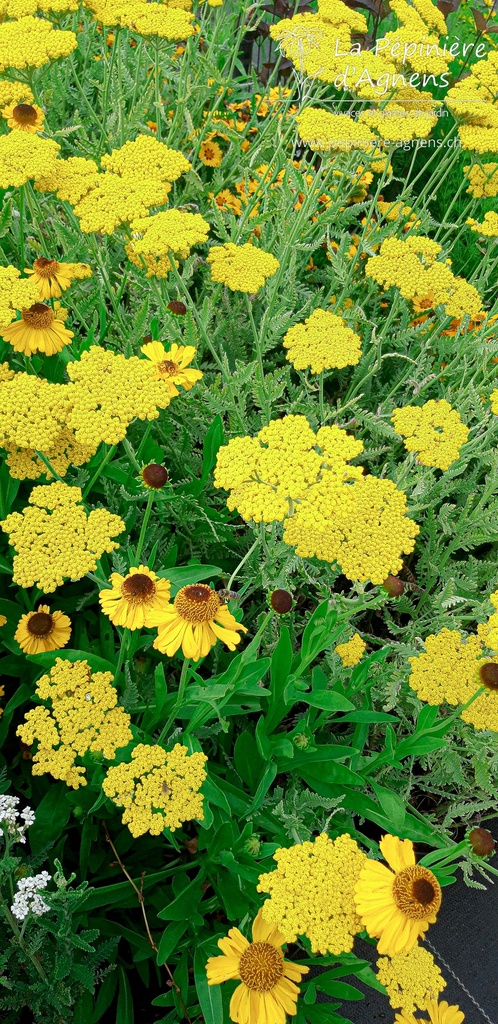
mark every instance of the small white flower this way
{"type": "Point", "coordinates": [9, 818]}
{"type": "Point", "coordinates": [27, 899]}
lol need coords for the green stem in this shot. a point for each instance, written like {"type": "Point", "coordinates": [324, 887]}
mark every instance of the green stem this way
{"type": "Point", "coordinates": [322, 404]}
{"type": "Point", "coordinates": [25, 948]}
{"type": "Point", "coordinates": [258, 344]}
{"type": "Point", "coordinates": [145, 523]}
{"type": "Point", "coordinates": [122, 653]}
{"type": "Point", "coordinates": [47, 463]}
{"type": "Point", "coordinates": [182, 686]}
{"type": "Point", "coordinates": [241, 563]}
{"type": "Point", "coordinates": [21, 228]}
{"type": "Point", "coordinates": [108, 456]}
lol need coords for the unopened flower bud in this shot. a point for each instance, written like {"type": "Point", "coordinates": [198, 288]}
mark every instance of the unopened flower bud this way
{"type": "Point", "coordinates": [481, 841]}
{"type": "Point", "coordinates": [177, 308]}
{"type": "Point", "coordinates": [281, 601]}
{"type": "Point", "coordinates": [252, 846]}
{"type": "Point", "coordinates": [154, 476]}
{"type": "Point", "coordinates": [393, 586]}
{"type": "Point", "coordinates": [301, 740]}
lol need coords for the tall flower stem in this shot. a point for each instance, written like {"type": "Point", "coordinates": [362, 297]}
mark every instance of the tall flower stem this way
{"type": "Point", "coordinates": [145, 523]}
{"type": "Point", "coordinates": [182, 686]}
{"type": "Point", "coordinates": [322, 405]}
{"type": "Point", "coordinates": [24, 946]}
{"type": "Point", "coordinates": [107, 458]}
{"type": "Point", "coordinates": [241, 563]}
{"type": "Point", "coordinates": [122, 653]}
{"type": "Point", "coordinates": [21, 228]}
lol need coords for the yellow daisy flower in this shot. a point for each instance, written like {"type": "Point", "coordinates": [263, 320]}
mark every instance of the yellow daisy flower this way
{"type": "Point", "coordinates": [268, 991]}
{"type": "Point", "coordinates": [43, 630]}
{"type": "Point", "coordinates": [135, 597]}
{"type": "Point", "coordinates": [397, 906]}
{"type": "Point", "coordinates": [53, 277]}
{"type": "Point", "coordinates": [172, 366]}
{"type": "Point", "coordinates": [210, 154]}
{"type": "Point", "coordinates": [24, 117]}
{"type": "Point", "coordinates": [195, 621]}
{"type": "Point", "coordinates": [439, 1013]}
{"type": "Point", "coordinates": [38, 330]}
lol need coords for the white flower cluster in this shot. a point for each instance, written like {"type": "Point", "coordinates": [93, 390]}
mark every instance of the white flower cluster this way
{"type": "Point", "coordinates": [27, 899]}
{"type": "Point", "coordinates": [9, 818]}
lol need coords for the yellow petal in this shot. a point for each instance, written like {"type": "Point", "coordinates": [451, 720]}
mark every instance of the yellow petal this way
{"type": "Point", "coordinates": [398, 853]}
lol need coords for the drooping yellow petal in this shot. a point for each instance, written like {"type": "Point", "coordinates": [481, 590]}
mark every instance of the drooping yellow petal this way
{"type": "Point", "coordinates": [398, 853]}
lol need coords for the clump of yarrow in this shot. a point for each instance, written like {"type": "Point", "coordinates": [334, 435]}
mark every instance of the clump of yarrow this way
{"type": "Point", "coordinates": [13, 822]}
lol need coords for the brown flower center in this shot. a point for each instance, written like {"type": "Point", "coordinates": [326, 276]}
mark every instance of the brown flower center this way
{"type": "Point", "coordinates": [155, 476]}
{"type": "Point", "coordinates": [167, 367]}
{"type": "Point", "coordinates": [138, 588]}
{"type": "Point", "coordinates": [489, 675]}
{"type": "Point", "coordinates": [197, 603]}
{"type": "Point", "coordinates": [261, 966]}
{"type": "Point", "coordinates": [24, 113]}
{"type": "Point", "coordinates": [38, 316]}
{"type": "Point", "coordinates": [416, 892]}
{"type": "Point", "coordinates": [45, 267]}
{"type": "Point", "coordinates": [40, 624]}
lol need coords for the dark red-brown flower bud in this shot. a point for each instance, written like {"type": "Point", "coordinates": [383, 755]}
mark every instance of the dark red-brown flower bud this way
{"type": "Point", "coordinates": [481, 841]}
{"type": "Point", "coordinates": [393, 586]}
{"type": "Point", "coordinates": [177, 308]}
{"type": "Point", "coordinates": [281, 601]}
{"type": "Point", "coordinates": [154, 476]}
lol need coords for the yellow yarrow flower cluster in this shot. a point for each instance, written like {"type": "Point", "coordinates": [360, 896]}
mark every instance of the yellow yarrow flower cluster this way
{"type": "Point", "coordinates": [483, 181]}
{"type": "Point", "coordinates": [242, 268]}
{"type": "Point", "coordinates": [108, 391]}
{"type": "Point", "coordinates": [312, 893]}
{"type": "Point", "coordinates": [322, 342]}
{"type": "Point", "coordinates": [16, 292]}
{"type": "Point", "coordinates": [410, 265]}
{"type": "Point", "coordinates": [489, 226]}
{"type": "Point", "coordinates": [23, 8]}
{"type": "Point", "coordinates": [352, 652]}
{"type": "Point", "coordinates": [71, 179]}
{"type": "Point", "coordinates": [32, 42]}
{"type": "Point", "coordinates": [331, 510]}
{"type": "Point", "coordinates": [136, 177]}
{"type": "Point", "coordinates": [170, 231]}
{"type": "Point", "coordinates": [157, 789]}
{"type": "Point", "coordinates": [82, 716]}
{"type": "Point", "coordinates": [474, 99]}
{"type": "Point", "coordinates": [54, 538]}
{"type": "Point", "coordinates": [146, 19]}
{"type": "Point", "coordinates": [24, 156]}
{"type": "Point", "coordinates": [411, 979]}
{"type": "Point", "coordinates": [450, 670]}
{"type": "Point", "coordinates": [14, 92]}
{"type": "Point", "coordinates": [396, 123]}
{"type": "Point", "coordinates": [323, 132]}
{"type": "Point", "coordinates": [434, 430]}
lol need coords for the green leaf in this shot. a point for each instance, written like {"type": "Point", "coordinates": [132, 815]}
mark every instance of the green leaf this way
{"type": "Point", "coordinates": [209, 995]}
{"type": "Point", "coordinates": [182, 906]}
{"type": "Point", "coordinates": [248, 762]}
{"type": "Point", "coordinates": [124, 1013]}
{"type": "Point", "coordinates": [107, 991]}
{"type": "Point", "coordinates": [52, 814]}
{"type": "Point", "coordinates": [338, 989]}
{"type": "Point", "coordinates": [326, 700]}
{"type": "Point", "coordinates": [48, 659]}
{"type": "Point", "coordinates": [187, 574]}
{"type": "Point", "coordinates": [170, 939]}
{"type": "Point", "coordinates": [266, 781]}
{"type": "Point", "coordinates": [279, 672]}
{"type": "Point", "coordinates": [391, 804]}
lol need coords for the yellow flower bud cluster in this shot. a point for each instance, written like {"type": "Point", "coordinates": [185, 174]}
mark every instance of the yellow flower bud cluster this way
{"type": "Point", "coordinates": [242, 268]}
{"type": "Point", "coordinates": [55, 539]}
{"type": "Point", "coordinates": [32, 42]}
{"type": "Point", "coordinates": [322, 131]}
{"type": "Point", "coordinates": [322, 342]}
{"type": "Point", "coordinates": [108, 391]}
{"type": "Point", "coordinates": [395, 123]}
{"type": "Point", "coordinates": [70, 179]}
{"type": "Point", "coordinates": [24, 156]}
{"type": "Point", "coordinates": [82, 717]}
{"type": "Point", "coordinates": [475, 100]}
{"type": "Point", "coordinates": [449, 671]}
{"type": "Point", "coordinates": [14, 92]}
{"type": "Point", "coordinates": [352, 652]}
{"type": "Point", "coordinates": [412, 979]}
{"type": "Point", "coordinates": [16, 292]}
{"type": "Point", "coordinates": [136, 177]}
{"type": "Point", "coordinates": [434, 430]}
{"type": "Point", "coordinates": [489, 226]}
{"type": "Point", "coordinates": [170, 231]}
{"type": "Point", "coordinates": [33, 417]}
{"type": "Point", "coordinates": [331, 510]}
{"type": "Point", "coordinates": [410, 265]}
{"type": "Point", "coordinates": [146, 19]}
{"type": "Point", "coordinates": [483, 181]}
{"type": "Point", "coordinates": [312, 893]}
{"type": "Point", "coordinates": [157, 789]}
